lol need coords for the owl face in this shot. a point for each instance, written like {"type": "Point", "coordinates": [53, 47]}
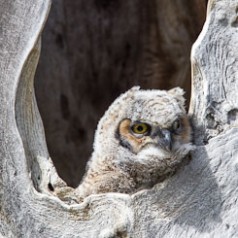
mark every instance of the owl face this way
{"type": "Point", "coordinates": [143, 134]}
{"type": "Point", "coordinates": [144, 126]}
{"type": "Point", "coordinates": [156, 124]}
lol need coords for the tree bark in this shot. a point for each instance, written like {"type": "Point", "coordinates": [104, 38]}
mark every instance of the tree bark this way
{"type": "Point", "coordinates": [200, 200]}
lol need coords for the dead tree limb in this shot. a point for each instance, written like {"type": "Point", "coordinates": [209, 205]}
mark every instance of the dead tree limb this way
{"type": "Point", "coordinates": [200, 200]}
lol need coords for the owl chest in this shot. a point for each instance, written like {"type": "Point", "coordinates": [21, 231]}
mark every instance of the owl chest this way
{"type": "Point", "coordinates": [145, 176]}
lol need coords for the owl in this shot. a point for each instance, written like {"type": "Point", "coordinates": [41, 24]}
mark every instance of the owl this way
{"type": "Point", "coordinates": [142, 137]}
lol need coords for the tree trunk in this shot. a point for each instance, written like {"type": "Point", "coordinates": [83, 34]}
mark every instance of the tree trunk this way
{"type": "Point", "coordinates": [200, 200]}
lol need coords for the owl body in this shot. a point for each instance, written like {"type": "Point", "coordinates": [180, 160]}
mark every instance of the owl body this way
{"type": "Point", "coordinates": [142, 137]}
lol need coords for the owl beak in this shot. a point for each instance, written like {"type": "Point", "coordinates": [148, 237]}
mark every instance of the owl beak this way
{"type": "Point", "coordinates": [165, 139]}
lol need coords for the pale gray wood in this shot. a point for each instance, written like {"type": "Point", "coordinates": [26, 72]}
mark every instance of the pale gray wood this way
{"type": "Point", "coordinates": [200, 200]}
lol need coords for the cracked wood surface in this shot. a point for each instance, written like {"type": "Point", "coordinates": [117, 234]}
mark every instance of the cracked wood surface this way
{"type": "Point", "coordinates": [200, 200]}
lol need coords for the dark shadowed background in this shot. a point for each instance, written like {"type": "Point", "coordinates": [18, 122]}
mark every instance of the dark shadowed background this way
{"type": "Point", "coordinates": [93, 50]}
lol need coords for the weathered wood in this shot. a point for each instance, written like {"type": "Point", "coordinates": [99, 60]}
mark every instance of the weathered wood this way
{"type": "Point", "coordinates": [200, 200]}
{"type": "Point", "coordinates": [94, 50]}
{"type": "Point", "coordinates": [214, 63]}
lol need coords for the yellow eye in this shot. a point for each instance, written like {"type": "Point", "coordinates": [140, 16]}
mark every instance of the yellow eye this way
{"type": "Point", "coordinates": [140, 128]}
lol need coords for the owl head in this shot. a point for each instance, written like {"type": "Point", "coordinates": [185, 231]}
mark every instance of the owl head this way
{"type": "Point", "coordinates": [144, 128]}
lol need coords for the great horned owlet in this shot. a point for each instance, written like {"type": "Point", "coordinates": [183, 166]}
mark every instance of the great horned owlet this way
{"type": "Point", "coordinates": [141, 138]}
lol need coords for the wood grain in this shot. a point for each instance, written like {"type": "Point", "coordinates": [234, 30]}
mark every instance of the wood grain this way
{"type": "Point", "coordinates": [200, 200]}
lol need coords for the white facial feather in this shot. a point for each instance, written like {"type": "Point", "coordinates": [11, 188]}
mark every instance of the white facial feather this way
{"type": "Point", "coordinates": [152, 153]}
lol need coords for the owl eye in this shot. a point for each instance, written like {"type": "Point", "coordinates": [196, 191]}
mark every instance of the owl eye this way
{"type": "Point", "coordinates": [176, 125]}
{"type": "Point", "coordinates": [140, 128]}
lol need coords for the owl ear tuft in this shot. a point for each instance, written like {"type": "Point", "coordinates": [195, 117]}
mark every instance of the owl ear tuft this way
{"type": "Point", "coordinates": [177, 93]}
{"type": "Point", "coordinates": [134, 89]}
{"type": "Point", "coordinates": [131, 92]}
